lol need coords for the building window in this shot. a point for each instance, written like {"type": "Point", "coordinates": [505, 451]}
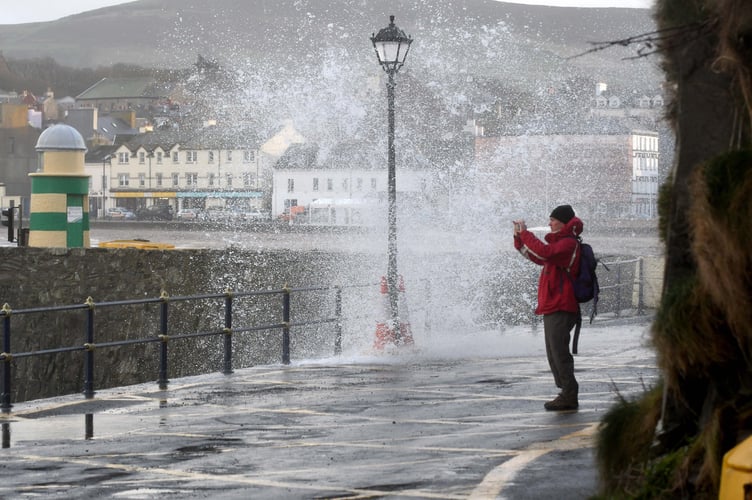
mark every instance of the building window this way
{"type": "Point", "coordinates": [345, 184]}
{"type": "Point", "coordinates": [191, 156]}
{"type": "Point", "coordinates": [315, 183]}
{"type": "Point", "coordinates": [175, 158]}
{"type": "Point", "coordinates": [159, 180]}
{"type": "Point", "coordinates": [123, 180]}
{"type": "Point", "coordinates": [248, 156]}
{"type": "Point", "coordinates": [191, 179]}
{"type": "Point", "coordinates": [247, 179]}
{"type": "Point", "coordinates": [359, 184]}
{"type": "Point", "coordinates": [159, 157]}
{"type": "Point", "coordinates": [123, 158]}
{"type": "Point", "coordinates": [211, 178]}
{"type": "Point", "coordinates": [211, 157]}
{"type": "Point", "coordinates": [228, 179]}
{"type": "Point", "coordinates": [229, 156]}
{"type": "Point", "coordinates": [175, 180]}
{"type": "Point", "coordinates": [330, 184]}
{"type": "Point", "coordinates": [290, 185]}
{"type": "Point", "coordinates": [141, 157]}
{"type": "Point", "coordinates": [141, 180]}
{"type": "Point", "coordinates": [373, 182]}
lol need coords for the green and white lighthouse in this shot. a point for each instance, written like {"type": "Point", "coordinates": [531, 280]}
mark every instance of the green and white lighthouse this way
{"type": "Point", "coordinates": [59, 211]}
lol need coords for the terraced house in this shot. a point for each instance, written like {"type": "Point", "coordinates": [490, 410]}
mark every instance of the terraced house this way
{"type": "Point", "coordinates": [210, 169]}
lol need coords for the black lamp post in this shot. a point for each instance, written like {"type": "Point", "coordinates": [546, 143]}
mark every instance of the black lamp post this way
{"type": "Point", "coordinates": [392, 46]}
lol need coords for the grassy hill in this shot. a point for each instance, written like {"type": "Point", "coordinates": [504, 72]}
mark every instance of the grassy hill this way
{"type": "Point", "coordinates": [485, 37]}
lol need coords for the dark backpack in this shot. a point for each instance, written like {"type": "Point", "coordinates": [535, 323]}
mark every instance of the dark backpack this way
{"type": "Point", "coordinates": [586, 282]}
{"type": "Point", "coordinates": [585, 285]}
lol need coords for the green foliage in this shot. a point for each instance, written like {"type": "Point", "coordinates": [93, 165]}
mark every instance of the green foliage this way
{"type": "Point", "coordinates": [629, 465]}
{"type": "Point", "coordinates": [724, 175]}
{"type": "Point", "coordinates": [664, 208]}
{"type": "Point", "coordinates": [670, 13]}
{"type": "Point", "coordinates": [680, 330]}
{"type": "Point", "coordinates": [624, 441]}
{"type": "Point", "coordinates": [673, 319]}
{"type": "Point", "coordinates": [659, 476]}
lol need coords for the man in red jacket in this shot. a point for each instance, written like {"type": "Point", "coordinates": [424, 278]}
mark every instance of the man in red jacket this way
{"type": "Point", "coordinates": [559, 254]}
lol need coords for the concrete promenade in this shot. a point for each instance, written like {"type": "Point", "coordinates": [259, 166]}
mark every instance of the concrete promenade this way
{"type": "Point", "coordinates": [414, 424]}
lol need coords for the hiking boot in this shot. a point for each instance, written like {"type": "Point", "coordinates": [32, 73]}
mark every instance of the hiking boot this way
{"type": "Point", "coordinates": [561, 403]}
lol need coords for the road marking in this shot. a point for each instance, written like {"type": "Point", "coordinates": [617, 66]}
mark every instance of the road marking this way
{"type": "Point", "coordinates": [163, 473]}
{"type": "Point", "coordinates": [495, 481]}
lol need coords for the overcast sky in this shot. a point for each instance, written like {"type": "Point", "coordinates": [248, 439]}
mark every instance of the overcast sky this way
{"type": "Point", "coordinates": [28, 11]}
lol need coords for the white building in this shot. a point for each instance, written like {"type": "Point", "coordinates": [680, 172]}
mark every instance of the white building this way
{"type": "Point", "coordinates": [190, 174]}
{"type": "Point", "coordinates": [208, 168]}
{"type": "Point", "coordinates": [611, 175]}
{"type": "Point", "coordinates": [347, 186]}
{"type": "Point", "coordinates": [646, 178]}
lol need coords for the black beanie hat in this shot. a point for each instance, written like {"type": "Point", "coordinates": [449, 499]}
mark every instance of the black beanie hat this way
{"type": "Point", "coordinates": [563, 213]}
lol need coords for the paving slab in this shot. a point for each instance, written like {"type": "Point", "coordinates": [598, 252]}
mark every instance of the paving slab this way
{"type": "Point", "coordinates": [406, 424]}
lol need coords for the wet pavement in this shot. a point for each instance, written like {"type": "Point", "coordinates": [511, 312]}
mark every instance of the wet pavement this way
{"type": "Point", "coordinates": [411, 424]}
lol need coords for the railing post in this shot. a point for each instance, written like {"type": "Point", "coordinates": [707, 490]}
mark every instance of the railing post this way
{"type": "Point", "coordinates": [6, 435]}
{"type": "Point", "coordinates": [286, 325]}
{"type": "Point", "coordinates": [618, 289]}
{"type": "Point", "coordinates": [7, 357]}
{"type": "Point", "coordinates": [89, 426]}
{"type": "Point", "coordinates": [227, 369]}
{"type": "Point", "coordinates": [165, 298]}
{"type": "Point", "coordinates": [89, 352]}
{"type": "Point", "coordinates": [641, 287]}
{"type": "Point", "coordinates": [338, 322]}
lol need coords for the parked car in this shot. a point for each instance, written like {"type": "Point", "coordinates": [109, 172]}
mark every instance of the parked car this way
{"type": "Point", "coordinates": [255, 214]}
{"type": "Point", "coordinates": [292, 213]}
{"type": "Point", "coordinates": [188, 214]}
{"type": "Point", "coordinates": [155, 212]}
{"type": "Point", "coordinates": [119, 213]}
{"type": "Point", "coordinates": [218, 214]}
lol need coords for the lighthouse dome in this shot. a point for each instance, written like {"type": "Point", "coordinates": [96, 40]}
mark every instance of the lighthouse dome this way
{"type": "Point", "coordinates": [60, 137]}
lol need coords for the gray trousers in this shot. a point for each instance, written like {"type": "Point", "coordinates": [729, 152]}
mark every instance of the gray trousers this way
{"type": "Point", "coordinates": [557, 327]}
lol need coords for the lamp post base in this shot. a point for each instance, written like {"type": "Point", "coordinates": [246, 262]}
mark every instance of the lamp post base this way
{"type": "Point", "coordinates": [390, 332]}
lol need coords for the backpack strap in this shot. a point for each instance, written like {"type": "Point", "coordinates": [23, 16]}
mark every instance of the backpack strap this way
{"type": "Point", "coordinates": [574, 256]}
{"type": "Point", "coordinates": [577, 327]}
{"type": "Point", "coordinates": [568, 269]}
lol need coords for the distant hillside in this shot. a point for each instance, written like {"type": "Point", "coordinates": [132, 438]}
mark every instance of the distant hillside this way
{"type": "Point", "coordinates": [484, 37]}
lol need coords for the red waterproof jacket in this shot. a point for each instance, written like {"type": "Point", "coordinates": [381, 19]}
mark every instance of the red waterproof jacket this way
{"type": "Point", "coordinates": [555, 290]}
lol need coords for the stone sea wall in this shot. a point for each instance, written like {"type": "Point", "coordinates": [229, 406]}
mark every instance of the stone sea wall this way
{"type": "Point", "coordinates": [41, 277]}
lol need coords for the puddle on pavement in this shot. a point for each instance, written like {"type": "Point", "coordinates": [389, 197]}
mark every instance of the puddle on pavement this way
{"type": "Point", "coordinates": [21, 432]}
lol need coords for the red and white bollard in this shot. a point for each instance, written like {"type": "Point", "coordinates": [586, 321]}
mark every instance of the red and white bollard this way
{"type": "Point", "coordinates": [384, 333]}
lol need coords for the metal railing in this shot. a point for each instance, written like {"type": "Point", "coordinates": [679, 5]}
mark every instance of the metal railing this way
{"type": "Point", "coordinates": [90, 346]}
{"type": "Point", "coordinates": [622, 275]}
{"type": "Point", "coordinates": [618, 280]}
{"type": "Point", "coordinates": [616, 283]}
